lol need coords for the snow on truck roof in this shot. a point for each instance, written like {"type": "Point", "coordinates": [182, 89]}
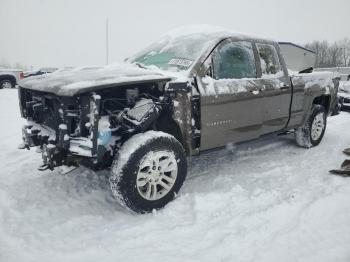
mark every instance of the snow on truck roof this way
{"type": "Point", "coordinates": [185, 47]}
{"type": "Point", "coordinates": [197, 39]}
{"type": "Point", "coordinates": [210, 30]}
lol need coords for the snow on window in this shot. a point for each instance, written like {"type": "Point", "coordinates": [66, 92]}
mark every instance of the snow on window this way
{"type": "Point", "coordinates": [234, 60]}
{"type": "Point", "coordinates": [213, 87]}
{"type": "Point", "coordinates": [269, 61]}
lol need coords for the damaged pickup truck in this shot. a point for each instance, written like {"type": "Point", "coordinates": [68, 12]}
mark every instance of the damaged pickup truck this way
{"type": "Point", "coordinates": [196, 89]}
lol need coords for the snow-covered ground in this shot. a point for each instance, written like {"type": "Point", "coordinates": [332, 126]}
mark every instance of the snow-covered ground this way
{"type": "Point", "coordinates": [267, 200]}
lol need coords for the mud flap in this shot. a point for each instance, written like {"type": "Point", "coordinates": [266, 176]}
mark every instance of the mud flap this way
{"type": "Point", "coordinates": [344, 169]}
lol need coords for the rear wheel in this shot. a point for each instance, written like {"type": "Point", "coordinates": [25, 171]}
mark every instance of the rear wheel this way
{"type": "Point", "coordinates": [149, 171]}
{"type": "Point", "coordinates": [312, 132]}
{"type": "Point", "coordinates": [6, 84]}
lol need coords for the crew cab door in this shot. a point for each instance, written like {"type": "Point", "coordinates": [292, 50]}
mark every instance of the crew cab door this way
{"type": "Point", "coordinates": [275, 87]}
{"type": "Point", "coordinates": [230, 99]}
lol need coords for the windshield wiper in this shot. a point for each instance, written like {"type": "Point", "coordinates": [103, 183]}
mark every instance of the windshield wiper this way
{"type": "Point", "coordinates": [140, 65]}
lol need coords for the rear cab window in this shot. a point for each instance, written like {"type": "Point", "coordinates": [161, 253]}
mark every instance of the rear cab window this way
{"type": "Point", "coordinates": [269, 61]}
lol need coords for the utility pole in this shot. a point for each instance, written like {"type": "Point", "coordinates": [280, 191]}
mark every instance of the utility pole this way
{"type": "Point", "coordinates": [107, 41]}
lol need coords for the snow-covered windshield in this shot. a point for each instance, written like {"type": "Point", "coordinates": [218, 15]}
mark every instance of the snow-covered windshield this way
{"type": "Point", "coordinates": [174, 53]}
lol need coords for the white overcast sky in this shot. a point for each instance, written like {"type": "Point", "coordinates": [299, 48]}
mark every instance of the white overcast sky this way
{"type": "Point", "coordinates": [72, 32]}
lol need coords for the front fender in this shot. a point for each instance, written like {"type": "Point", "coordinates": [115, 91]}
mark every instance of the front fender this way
{"type": "Point", "coordinates": [182, 111]}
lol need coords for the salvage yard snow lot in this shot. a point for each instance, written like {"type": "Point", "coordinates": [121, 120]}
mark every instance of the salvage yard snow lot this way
{"type": "Point", "coordinates": [266, 200]}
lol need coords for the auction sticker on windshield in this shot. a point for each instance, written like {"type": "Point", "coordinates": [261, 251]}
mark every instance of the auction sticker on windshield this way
{"type": "Point", "coordinates": [180, 62]}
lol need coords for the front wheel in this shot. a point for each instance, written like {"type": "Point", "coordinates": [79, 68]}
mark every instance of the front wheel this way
{"type": "Point", "coordinates": [148, 172]}
{"type": "Point", "coordinates": [312, 132]}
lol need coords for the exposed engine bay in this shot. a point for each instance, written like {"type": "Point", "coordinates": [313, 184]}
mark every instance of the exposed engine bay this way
{"type": "Point", "coordinates": [89, 129]}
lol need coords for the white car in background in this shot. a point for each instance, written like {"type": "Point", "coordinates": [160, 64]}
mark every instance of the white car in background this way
{"type": "Point", "coordinates": [344, 95]}
{"type": "Point", "coordinates": [344, 86]}
{"type": "Point", "coordinates": [9, 78]}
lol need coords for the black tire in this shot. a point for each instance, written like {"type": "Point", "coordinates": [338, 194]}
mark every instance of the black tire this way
{"type": "Point", "coordinates": [303, 134]}
{"type": "Point", "coordinates": [6, 84]}
{"type": "Point", "coordinates": [126, 167]}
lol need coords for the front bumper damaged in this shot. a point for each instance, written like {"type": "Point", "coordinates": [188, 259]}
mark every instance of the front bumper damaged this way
{"type": "Point", "coordinates": [51, 156]}
{"type": "Point", "coordinates": [87, 135]}
{"type": "Point", "coordinates": [60, 148]}
{"type": "Point", "coordinates": [42, 137]}
{"type": "Point", "coordinates": [36, 135]}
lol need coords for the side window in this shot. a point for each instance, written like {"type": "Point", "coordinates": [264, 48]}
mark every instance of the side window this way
{"type": "Point", "coordinates": [269, 61]}
{"type": "Point", "coordinates": [234, 60]}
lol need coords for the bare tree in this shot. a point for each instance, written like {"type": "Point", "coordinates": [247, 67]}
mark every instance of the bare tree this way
{"type": "Point", "coordinates": [331, 55]}
{"type": "Point", "coordinates": [334, 55]}
{"type": "Point", "coordinates": [344, 45]}
{"type": "Point", "coordinates": [321, 50]}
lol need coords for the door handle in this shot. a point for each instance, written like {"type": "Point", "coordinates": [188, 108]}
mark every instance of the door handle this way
{"type": "Point", "coordinates": [284, 87]}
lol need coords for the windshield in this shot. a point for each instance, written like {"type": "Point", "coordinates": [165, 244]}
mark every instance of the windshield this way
{"type": "Point", "coordinates": [174, 53]}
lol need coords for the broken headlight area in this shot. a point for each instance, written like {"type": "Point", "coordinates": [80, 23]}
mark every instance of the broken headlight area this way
{"type": "Point", "coordinates": [85, 130]}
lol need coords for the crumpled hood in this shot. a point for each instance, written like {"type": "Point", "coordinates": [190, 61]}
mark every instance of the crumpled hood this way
{"type": "Point", "coordinates": [77, 82]}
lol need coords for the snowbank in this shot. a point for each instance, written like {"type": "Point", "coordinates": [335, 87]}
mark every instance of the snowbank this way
{"type": "Point", "coordinates": [267, 200]}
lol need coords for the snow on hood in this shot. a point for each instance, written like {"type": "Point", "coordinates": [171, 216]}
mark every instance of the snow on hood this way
{"type": "Point", "coordinates": [76, 82]}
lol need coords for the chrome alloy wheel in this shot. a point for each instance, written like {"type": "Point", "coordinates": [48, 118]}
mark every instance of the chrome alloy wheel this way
{"type": "Point", "coordinates": [156, 175]}
{"type": "Point", "coordinates": [317, 127]}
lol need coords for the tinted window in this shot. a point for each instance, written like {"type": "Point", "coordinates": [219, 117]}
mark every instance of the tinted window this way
{"type": "Point", "coordinates": [268, 59]}
{"type": "Point", "coordinates": [234, 60]}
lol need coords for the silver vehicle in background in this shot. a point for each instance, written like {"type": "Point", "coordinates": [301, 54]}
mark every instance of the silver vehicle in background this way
{"type": "Point", "coordinates": [9, 78]}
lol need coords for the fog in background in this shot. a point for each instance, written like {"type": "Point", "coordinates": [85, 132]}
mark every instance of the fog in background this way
{"type": "Point", "coordinates": [72, 32]}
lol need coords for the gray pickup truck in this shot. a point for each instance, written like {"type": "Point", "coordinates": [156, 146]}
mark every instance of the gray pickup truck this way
{"type": "Point", "coordinates": [196, 89]}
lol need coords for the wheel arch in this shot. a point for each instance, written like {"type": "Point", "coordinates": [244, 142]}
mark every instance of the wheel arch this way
{"type": "Point", "coordinates": [8, 77]}
{"type": "Point", "coordinates": [124, 169]}
{"type": "Point", "coordinates": [168, 125]}
{"type": "Point", "coordinates": [323, 100]}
